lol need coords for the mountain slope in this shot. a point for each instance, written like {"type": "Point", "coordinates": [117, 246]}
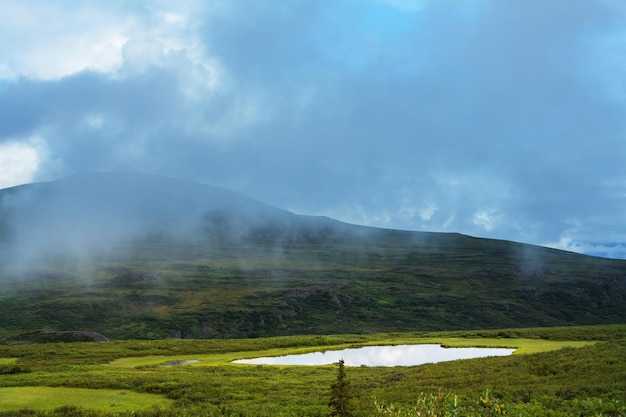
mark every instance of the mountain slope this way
{"type": "Point", "coordinates": [137, 256]}
{"type": "Point", "coordinates": [100, 209]}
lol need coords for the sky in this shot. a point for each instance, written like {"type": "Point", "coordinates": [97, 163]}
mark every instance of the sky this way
{"type": "Point", "coordinates": [492, 118]}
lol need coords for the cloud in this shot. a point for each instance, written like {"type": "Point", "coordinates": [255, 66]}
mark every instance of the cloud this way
{"type": "Point", "coordinates": [490, 118]}
{"type": "Point", "coordinates": [50, 40]}
{"type": "Point", "coordinates": [19, 162]}
{"type": "Point", "coordinates": [606, 250]}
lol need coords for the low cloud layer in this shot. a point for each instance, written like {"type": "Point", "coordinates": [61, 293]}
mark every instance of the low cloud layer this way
{"type": "Point", "coordinates": [490, 118]}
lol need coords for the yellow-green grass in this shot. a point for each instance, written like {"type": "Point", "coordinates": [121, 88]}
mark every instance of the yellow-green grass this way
{"type": "Point", "coordinates": [7, 361]}
{"type": "Point", "coordinates": [49, 398]}
{"type": "Point", "coordinates": [521, 346]}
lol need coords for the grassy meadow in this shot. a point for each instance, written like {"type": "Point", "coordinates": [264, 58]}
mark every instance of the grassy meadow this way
{"type": "Point", "coordinates": [554, 371]}
{"type": "Point", "coordinates": [13, 399]}
{"type": "Point", "coordinates": [271, 283]}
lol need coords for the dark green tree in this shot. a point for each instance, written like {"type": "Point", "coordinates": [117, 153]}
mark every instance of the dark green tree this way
{"type": "Point", "coordinates": [340, 393]}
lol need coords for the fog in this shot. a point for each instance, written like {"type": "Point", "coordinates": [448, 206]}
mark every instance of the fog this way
{"type": "Point", "coordinates": [86, 217]}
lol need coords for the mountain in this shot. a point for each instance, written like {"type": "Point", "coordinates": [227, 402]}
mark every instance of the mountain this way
{"type": "Point", "coordinates": [139, 256]}
{"type": "Point", "coordinates": [90, 211]}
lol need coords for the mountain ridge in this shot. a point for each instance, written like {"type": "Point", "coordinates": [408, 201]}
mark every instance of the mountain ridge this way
{"type": "Point", "coordinates": [139, 257]}
{"type": "Point", "coordinates": [97, 209]}
{"type": "Point", "coordinates": [132, 181]}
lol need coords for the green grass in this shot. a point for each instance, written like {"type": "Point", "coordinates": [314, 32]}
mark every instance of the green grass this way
{"type": "Point", "coordinates": [564, 371]}
{"type": "Point", "coordinates": [522, 346]}
{"type": "Point", "coordinates": [307, 285]}
{"type": "Point", "coordinates": [49, 398]}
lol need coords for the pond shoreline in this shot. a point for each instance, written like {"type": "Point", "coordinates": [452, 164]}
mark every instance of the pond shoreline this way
{"type": "Point", "coordinates": [385, 355]}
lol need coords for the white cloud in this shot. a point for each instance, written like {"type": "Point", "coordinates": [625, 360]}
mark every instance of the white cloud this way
{"type": "Point", "coordinates": [449, 221]}
{"type": "Point", "coordinates": [425, 211]}
{"type": "Point", "coordinates": [487, 220]}
{"type": "Point", "coordinates": [566, 243]}
{"type": "Point", "coordinates": [19, 162]}
{"type": "Point", "coordinates": [609, 250]}
{"type": "Point", "coordinates": [23, 159]}
{"type": "Point", "coordinates": [47, 40]}
{"type": "Point", "coordinates": [50, 40]}
{"type": "Point", "coordinates": [142, 53]}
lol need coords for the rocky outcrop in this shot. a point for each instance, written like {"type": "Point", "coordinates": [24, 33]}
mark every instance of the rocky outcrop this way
{"type": "Point", "coordinates": [54, 336]}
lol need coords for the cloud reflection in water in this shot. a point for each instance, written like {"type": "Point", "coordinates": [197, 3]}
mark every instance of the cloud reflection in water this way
{"type": "Point", "coordinates": [401, 355]}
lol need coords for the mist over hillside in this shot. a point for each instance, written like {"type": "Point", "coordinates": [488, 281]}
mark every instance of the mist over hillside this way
{"type": "Point", "coordinates": [140, 256]}
{"type": "Point", "coordinates": [99, 211]}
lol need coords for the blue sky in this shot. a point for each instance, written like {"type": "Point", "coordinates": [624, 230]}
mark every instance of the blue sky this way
{"type": "Point", "coordinates": [502, 119]}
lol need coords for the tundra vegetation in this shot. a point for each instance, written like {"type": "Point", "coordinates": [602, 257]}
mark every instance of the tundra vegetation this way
{"type": "Point", "coordinates": [559, 371]}
{"type": "Point", "coordinates": [144, 257]}
{"type": "Point", "coordinates": [384, 281]}
{"type": "Point", "coordinates": [172, 271]}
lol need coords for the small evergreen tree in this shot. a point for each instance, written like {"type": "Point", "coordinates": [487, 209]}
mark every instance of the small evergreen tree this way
{"type": "Point", "coordinates": [340, 393]}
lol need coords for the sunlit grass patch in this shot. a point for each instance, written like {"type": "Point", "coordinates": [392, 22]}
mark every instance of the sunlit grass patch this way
{"type": "Point", "coordinates": [135, 362]}
{"type": "Point", "coordinates": [7, 361]}
{"type": "Point", "coordinates": [210, 359]}
{"type": "Point", "coordinates": [522, 346]}
{"type": "Point", "coordinates": [49, 398]}
{"type": "Point", "coordinates": [537, 346]}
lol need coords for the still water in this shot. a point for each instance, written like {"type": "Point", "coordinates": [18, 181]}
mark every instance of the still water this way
{"type": "Point", "coordinates": [180, 363]}
{"type": "Point", "coordinates": [401, 355]}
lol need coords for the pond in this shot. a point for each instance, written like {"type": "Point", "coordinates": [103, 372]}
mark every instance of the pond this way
{"type": "Point", "coordinates": [180, 362]}
{"type": "Point", "coordinates": [400, 355]}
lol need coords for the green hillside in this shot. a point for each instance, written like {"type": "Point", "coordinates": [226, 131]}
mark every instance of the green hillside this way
{"type": "Point", "coordinates": [281, 274]}
{"type": "Point", "coordinates": [387, 281]}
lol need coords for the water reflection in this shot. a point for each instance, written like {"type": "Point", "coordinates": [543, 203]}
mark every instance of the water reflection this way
{"type": "Point", "coordinates": [181, 362]}
{"type": "Point", "coordinates": [401, 355]}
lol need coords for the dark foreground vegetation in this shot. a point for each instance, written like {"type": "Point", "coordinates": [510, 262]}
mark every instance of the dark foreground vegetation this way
{"type": "Point", "coordinates": [585, 381]}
